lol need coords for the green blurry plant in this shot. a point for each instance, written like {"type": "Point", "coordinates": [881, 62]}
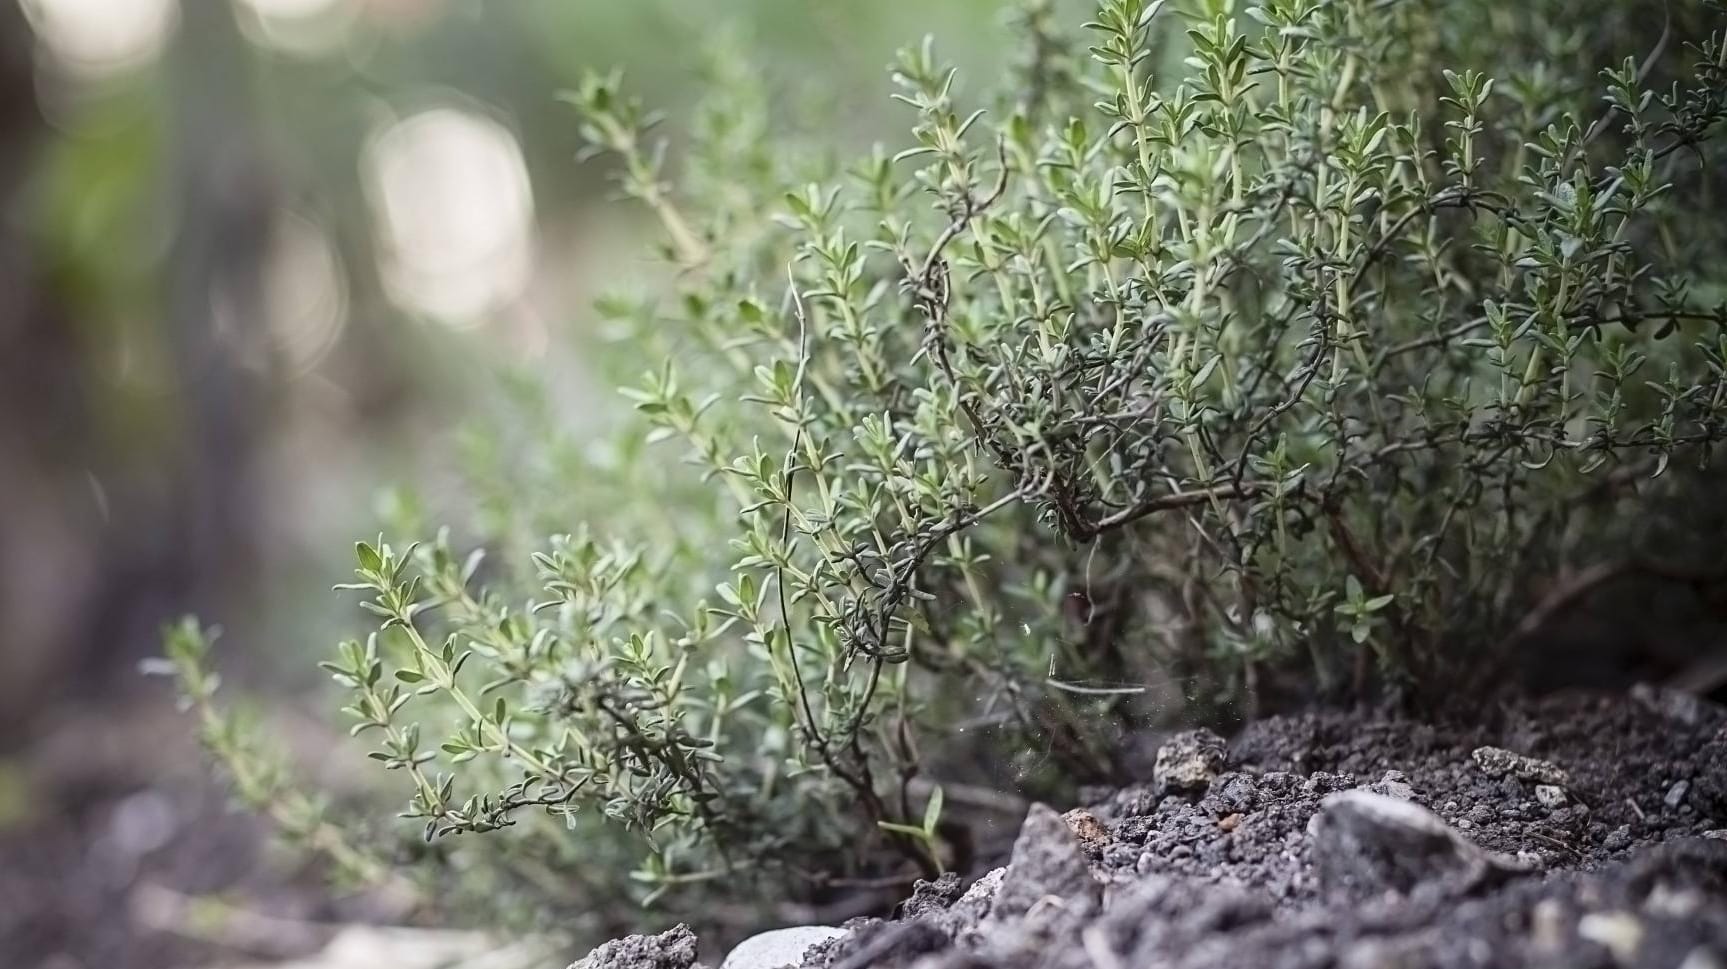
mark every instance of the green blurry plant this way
{"type": "Point", "coordinates": [1276, 344]}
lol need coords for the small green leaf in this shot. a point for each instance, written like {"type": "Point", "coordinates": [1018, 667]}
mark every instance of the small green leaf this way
{"type": "Point", "coordinates": [906, 829]}
{"type": "Point", "coordinates": [369, 558]}
{"type": "Point", "coordinates": [932, 811]}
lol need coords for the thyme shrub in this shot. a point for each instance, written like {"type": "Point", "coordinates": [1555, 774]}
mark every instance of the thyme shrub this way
{"type": "Point", "coordinates": [1230, 349]}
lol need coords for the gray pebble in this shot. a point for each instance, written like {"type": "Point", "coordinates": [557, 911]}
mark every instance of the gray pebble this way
{"type": "Point", "coordinates": [780, 947]}
{"type": "Point", "coordinates": [1188, 761]}
{"type": "Point", "coordinates": [1676, 794]}
{"type": "Point", "coordinates": [1499, 762]}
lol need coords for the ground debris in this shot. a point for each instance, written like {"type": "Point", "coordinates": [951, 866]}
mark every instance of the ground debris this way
{"type": "Point", "coordinates": [674, 948]}
{"type": "Point", "coordinates": [1498, 762]}
{"type": "Point", "coordinates": [1188, 761]}
{"type": "Point", "coordinates": [1686, 708]}
{"type": "Point", "coordinates": [1344, 841]}
{"type": "Point", "coordinates": [1048, 863]}
{"type": "Point", "coordinates": [1091, 832]}
{"type": "Point", "coordinates": [1551, 796]}
{"type": "Point", "coordinates": [1366, 843]}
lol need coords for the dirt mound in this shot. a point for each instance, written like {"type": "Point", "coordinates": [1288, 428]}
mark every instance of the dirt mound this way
{"type": "Point", "coordinates": [1573, 832]}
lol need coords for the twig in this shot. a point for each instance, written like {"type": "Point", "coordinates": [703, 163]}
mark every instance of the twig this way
{"type": "Point", "coordinates": [788, 481]}
{"type": "Point", "coordinates": [1083, 690]}
{"type": "Point", "coordinates": [968, 211]}
{"type": "Point", "coordinates": [1451, 198]}
{"type": "Point", "coordinates": [1555, 842]}
{"type": "Point", "coordinates": [1178, 499]}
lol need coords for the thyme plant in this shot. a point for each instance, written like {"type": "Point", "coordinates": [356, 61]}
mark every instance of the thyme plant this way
{"type": "Point", "coordinates": [1232, 348]}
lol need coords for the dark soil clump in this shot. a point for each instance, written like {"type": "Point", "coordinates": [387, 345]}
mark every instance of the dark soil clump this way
{"type": "Point", "coordinates": [674, 948]}
{"type": "Point", "coordinates": [1575, 831]}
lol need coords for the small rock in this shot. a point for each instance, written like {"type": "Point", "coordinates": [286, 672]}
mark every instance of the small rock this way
{"type": "Point", "coordinates": [893, 943]}
{"type": "Point", "coordinates": [1229, 822]}
{"type": "Point", "coordinates": [1551, 796]}
{"type": "Point", "coordinates": [1679, 904]}
{"type": "Point", "coordinates": [1366, 843]}
{"type": "Point", "coordinates": [1231, 792]}
{"type": "Point", "coordinates": [1547, 925]}
{"type": "Point", "coordinates": [674, 948]}
{"type": "Point", "coordinates": [780, 947]}
{"type": "Point", "coordinates": [1702, 957]}
{"type": "Point", "coordinates": [1394, 784]}
{"type": "Point", "coordinates": [1321, 783]}
{"type": "Point", "coordinates": [1277, 781]}
{"type": "Point", "coordinates": [1188, 761]}
{"type": "Point", "coordinates": [1676, 795]}
{"type": "Point", "coordinates": [1498, 762]}
{"type": "Point", "coordinates": [984, 889]}
{"type": "Point", "coordinates": [1618, 932]}
{"type": "Point", "coordinates": [1618, 838]}
{"type": "Point", "coordinates": [1047, 860]}
{"type": "Point", "coordinates": [1675, 705]}
{"type": "Point", "coordinates": [975, 904]}
{"type": "Point", "coordinates": [1087, 827]}
{"type": "Point", "coordinates": [928, 897]}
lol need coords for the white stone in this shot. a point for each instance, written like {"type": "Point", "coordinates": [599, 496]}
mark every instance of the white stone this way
{"type": "Point", "coordinates": [1676, 794]}
{"type": "Point", "coordinates": [1701, 958]}
{"type": "Point", "coordinates": [780, 947]}
{"type": "Point", "coordinates": [1620, 932]}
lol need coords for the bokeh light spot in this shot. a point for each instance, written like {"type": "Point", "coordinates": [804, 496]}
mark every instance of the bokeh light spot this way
{"type": "Point", "coordinates": [453, 212]}
{"type": "Point", "coordinates": [305, 27]}
{"type": "Point", "coordinates": [305, 293]}
{"type": "Point", "coordinates": [98, 38]}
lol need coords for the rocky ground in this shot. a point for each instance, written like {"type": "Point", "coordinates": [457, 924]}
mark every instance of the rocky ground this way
{"type": "Point", "coordinates": [1575, 832]}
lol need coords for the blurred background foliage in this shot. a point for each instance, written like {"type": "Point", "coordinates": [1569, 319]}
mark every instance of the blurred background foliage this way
{"type": "Point", "coordinates": [258, 259]}
{"type": "Point", "coordinates": [245, 239]}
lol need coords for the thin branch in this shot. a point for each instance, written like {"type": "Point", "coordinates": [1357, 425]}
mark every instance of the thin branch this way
{"type": "Point", "coordinates": [1178, 499]}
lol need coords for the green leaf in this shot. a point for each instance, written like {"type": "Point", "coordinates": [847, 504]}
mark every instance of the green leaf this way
{"type": "Point", "coordinates": [369, 558]}
{"type": "Point", "coordinates": [932, 811]}
{"type": "Point", "coordinates": [906, 829]}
